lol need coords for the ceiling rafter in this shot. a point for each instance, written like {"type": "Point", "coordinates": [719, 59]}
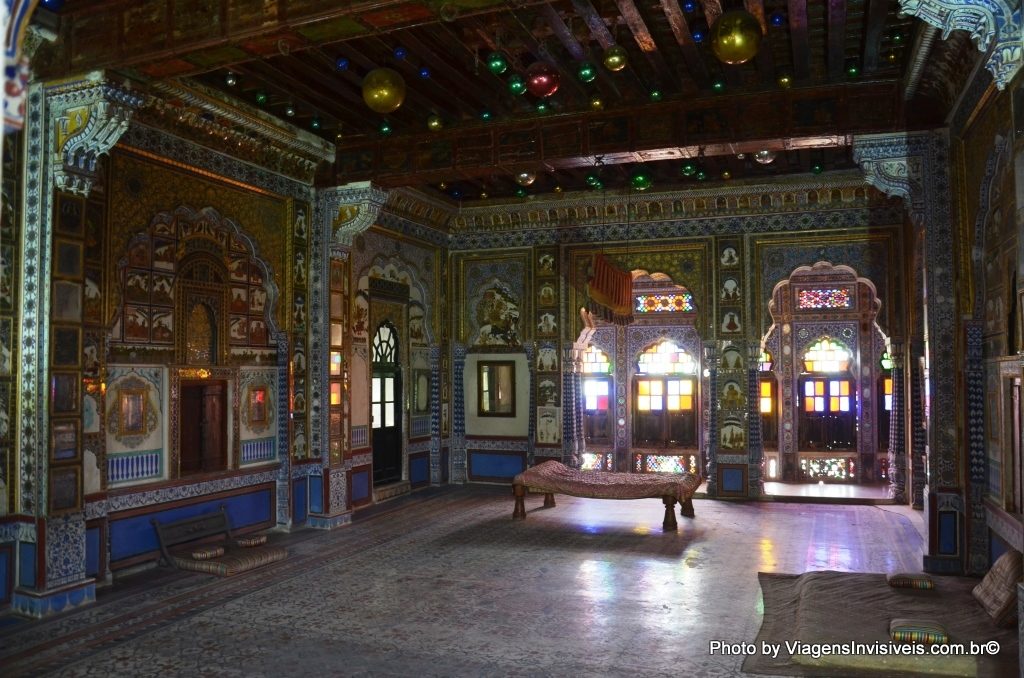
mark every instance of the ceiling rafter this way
{"type": "Point", "coordinates": [799, 40]}
{"type": "Point", "coordinates": [684, 38]}
{"type": "Point", "coordinates": [645, 41]}
{"type": "Point", "coordinates": [765, 63]}
{"type": "Point", "coordinates": [878, 11]}
{"type": "Point", "coordinates": [836, 37]}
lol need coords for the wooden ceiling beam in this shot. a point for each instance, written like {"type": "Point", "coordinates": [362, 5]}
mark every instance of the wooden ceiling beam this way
{"type": "Point", "coordinates": [779, 120]}
{"type": "Point", "coordinates": [836, 53]}
{"type": "Point", "coordinates": [468, 90]}
{"type": "Point", "coordinates": [765, 63]}
{"type": "Point", "coordinates": [645, 41]}
{"type": "Point", "coordinates": [681, 30]}
{"type": "Point", "coordinates": [798, 39]}
{"type": "Point", "coordinates": [878, 11]}
{"type": "Point", "coordinates": [576, 50]}
{"type": "Point", "coordinates": [594, 22]}
{"type": "Point", "coordinates": [287, 22]}
{"type": "Point", "coordinates": [269, 73]}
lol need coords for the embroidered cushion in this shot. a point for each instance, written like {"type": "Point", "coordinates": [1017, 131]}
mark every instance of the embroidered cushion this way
{"type": "Point", "coordinates": [910, 580]}
{"type": "Point", "coordinates": [207, 552]}
{"type": "Point", "coordinates": [254, 540]}
{"type": "Point", "coordinates": [997, 592]}
{"type": "Point", "coordinates": [918, 631]}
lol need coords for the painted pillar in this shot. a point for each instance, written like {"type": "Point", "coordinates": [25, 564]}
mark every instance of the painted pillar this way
{"type": "Point", "coordinates": [711, 407]}
{"type": "Point", "coordinates": [342, 212]}
{"type": "Point", "coordinates": [897, 427]}
{"type": "Point", "coordinates": [915, 167]}
{"type": "Point", "coordinates": [755, 445]}
{"type": "Point", "coordinates": [977, 481]}
{"type": "Point", "coordinates": [70, 126]}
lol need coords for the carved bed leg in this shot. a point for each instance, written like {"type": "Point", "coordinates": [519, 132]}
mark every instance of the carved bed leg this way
{"type": "Point", "coordinates": [549, 500]}
{"type": "Point", "coordinates": [686, 508]}
{"type": "Point", "coordinates": [519, 512]}
{"type": "Point", "coordinates": [669, 523]}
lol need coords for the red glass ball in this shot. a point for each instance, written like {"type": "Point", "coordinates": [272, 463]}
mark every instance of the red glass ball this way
{"type": "Point", "coordinates": [542, 80]}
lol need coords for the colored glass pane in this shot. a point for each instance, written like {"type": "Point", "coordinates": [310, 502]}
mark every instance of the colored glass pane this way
{"type": "Point", "coordinates": [665, 303]}
{"type": "Point", "coordinates": [595, 361]}
{"type": "Point", "coordinates": [827, 355]}
{"type": "Point", "coordinates": [834, 468]}
{"type": "Point", "coordinates": [824, 298]}
{"type": "Point", "coordinates": [765, 361]}
{"type": "Point", "coordinates": [663, 463]}
{"type": "Point", "coordinates": [666, 358]}
{"type": "Point", "coordinates": [886, 361]}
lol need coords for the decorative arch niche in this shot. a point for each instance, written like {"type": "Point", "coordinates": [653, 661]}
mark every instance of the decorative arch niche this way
{"type": "Point", "coordinates": [816, 305]}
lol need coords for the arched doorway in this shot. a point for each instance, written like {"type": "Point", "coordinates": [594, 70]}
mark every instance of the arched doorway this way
{"type": "Point", "coordinates": [385, 406]}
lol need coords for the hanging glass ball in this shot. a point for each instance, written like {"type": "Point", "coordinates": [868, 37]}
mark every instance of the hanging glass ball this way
{"type": "Point", "coordinates": [852, 68]}
{"type": "Point", "coordinates": [385, 128]}
{"type": "Point", "coordinates": [435, 123]}
{"type": "Point", "coordinates": [640, 181]}
{"type": "Point", "coordinates": [521, 192]}
{"type": "Point", "coordinates": [592, 179]}
{"type": "Point", "coordinates": [485, 115]}
{"type": "Point", "coordinates": [383, 90]}
{"type": "Point", "coordinates": [596, 103]}
{"type": "Point", "coordinates": [726, 174]}
{"type": "Point", "coordinates": [261, 98]}
{"type": "Point", "coordinates": [516, 84]}
{"type": "Point", "coordinates": [785, 80]}
{"type": "Point", "coordinates": [765, 157]}
{"type": "Point", "coordinates": [542, 79]}
{"type": "Point", "coordinates": [817, 168]}
{"type": "Point", "coordinates": [615, 58]}
{"type": "Point", "coordinates": [655, 95]}
{"type": "Point", "coordinates": [701, 175]}
{"type": "Point", "coordinates": [231, 79]}
{"type": "Point", "coordinates": [497, 63]}
{"type": "Point", "coordinates": [699, 31]}
{"type": "Point", "coordinates": [777, 19]}
{"type": "Point", "coordinates": [526, 178]}
{"type": "Point", "coordinates": [688, 169]}
{"type": "Point", "coordinates": [586, 72]}
{"type": "Point", "coordinates": [689, 6]}
{"type": "Point", "coordinates": [400, 53]}
{"type": "Point", "coordinates": [456, 193]}
{"type": "Point", "coordinates": [736, 37]}
{"type": "Point", "coordinates": [342, 64]}
{"type": "Point", "coordinates": [718, 85]}
{"type": "Point", "coordinates": [425, 73]}
{"type": "Point", "coordinates": [315, 123]}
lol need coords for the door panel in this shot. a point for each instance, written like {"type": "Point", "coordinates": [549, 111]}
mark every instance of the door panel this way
{"type": "Point", "coordinates": [386, 423]}
{"type": "Point", "coordinates": [202, 438]}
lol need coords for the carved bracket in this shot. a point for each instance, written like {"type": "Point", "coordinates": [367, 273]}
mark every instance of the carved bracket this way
{"type": "Point", "coordinates": [991, 24]}
{"type": "Point", "coordinates": [87, 122]}
{"type": "Point", "coordinates": [350, 209]}
{"type": "Point", "coordinates": [895, 165]}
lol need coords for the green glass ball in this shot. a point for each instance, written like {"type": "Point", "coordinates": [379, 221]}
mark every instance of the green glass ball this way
{"type": "Point", "coordinates": [701, 175]}
{"type": "Point", "coordinates": [688, 169]}
{"type": "Point", "coordinates": [384, 129]}
{"type": "Point", "coordinates": [592, 179]}
{"type": "Point", "coordinates": [516, 84]}
{"type": "Point", "coordinates": [497, 63]}
{"type": "Point", "coordinates": [640, 181]}
{"type": "Point", "coordinates": [718, 86]}
{"type": "Point", "coordinates": [817, 168]}
{"type": "Point", "coordinates": [521, 192]}
{"type": "Point", "coordinates": [586, 72]}
{"type": "Point", "coordinates": [655, 95]}
{"type": "Point", "coordinates": [485, 115]}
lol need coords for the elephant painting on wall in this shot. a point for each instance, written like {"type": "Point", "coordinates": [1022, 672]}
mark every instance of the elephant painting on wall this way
{"type": "Point", "coordinates": [547, 359]}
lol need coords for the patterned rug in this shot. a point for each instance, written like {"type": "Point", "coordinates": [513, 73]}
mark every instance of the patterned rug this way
{"type": "Point", "coordinates": [447, 584]}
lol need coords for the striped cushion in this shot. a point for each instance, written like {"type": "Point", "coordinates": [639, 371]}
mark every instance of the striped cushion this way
{"type": "Point", "coordinates": [910, 580]}
{"type": "Point", "coordinates": [997, 592]}
{"type": "Point", "coordinates": [235, 562]}
{"type": "Point", "coordinates": [918, 631]}
{"type": "Point", "coordinates": [207, 552]}
{"type": "Point", "coordinates": [254, 540]}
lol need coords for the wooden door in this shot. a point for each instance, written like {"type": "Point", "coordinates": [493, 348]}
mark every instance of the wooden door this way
{"type": "Point", "coordinates": [202, 439]}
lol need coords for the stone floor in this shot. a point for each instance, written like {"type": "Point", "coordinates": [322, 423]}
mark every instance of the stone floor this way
{"type": "Point", "coordinates": [444, 583]}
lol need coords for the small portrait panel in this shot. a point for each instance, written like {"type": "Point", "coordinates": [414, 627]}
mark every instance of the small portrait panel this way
{"type": "Point", "coordinates": [67, 301]}
{"type": "Point", "coordinates": [547, 324]}
{"type": "Point", "coordinates": [92, 308]}
{"type": "Point", "coordinates": [67, 259]}
{"type": "Point", "coordinates": [67, 346]}
{"type": "Point", "coordinates": [162, 289]}
{"type": "Point", "coordinates": [731, 323]}
{"type": "Point", "coordinates": [547, 359]}
{"type": "Point", "coordinates": [730, 291]}
{"type": "Point", "coordinates": [94, 227]}
{"type": "Point", "coordinates": [732, 396]}
{"type": "Point", "coordinates": [238, 268]}
{"type": "Point", "coordinates": [136, 323]}
{"type": "Point", "coordinates": [64, 393]}
{"type": "Point", "coordinates": [70, 214]}
{"type": "Point", "coordinates": [732, 359]}
{"type": "Point", "coordinates": [729, 257]}
{"type": "Point", "coordinates": [163, 254]}
{"type": "Point", "coordinates": [546, 263]}
{"type": "Point", "coordinates": [257, 299]}
{"type": "Point", "coordinates": [546, 295]}
{"type": "Point", "coordinates": [163, 326]}
{"type": "Point", "coordinates": [136, 286]}
{"type": "Point", "coordinates": [139, 255]}
{"type": "Point", "coordinates": [258, 334]}
{"type": "Point", "coordinates": [238, 329]}
{"type": "Point", "coordinates": [65, 489]}
{"type": "Point", "coordinates": [255, 274]}
{"type": "Point", "coordinates": [239, 298]}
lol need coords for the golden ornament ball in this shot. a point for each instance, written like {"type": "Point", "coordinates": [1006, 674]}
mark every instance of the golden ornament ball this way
{"type": "Point", "coordinates": [735, 37]}
{"type": "Point", "coordinates": [383, 90]}
{"type": "Point", "coordinates": [615, 58]}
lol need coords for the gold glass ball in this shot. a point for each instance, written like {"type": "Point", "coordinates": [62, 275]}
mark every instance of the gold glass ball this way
{"type": "Point", "coordinates": [435, 123]}
{"type": "Point", "coordinates": [526, 178]}
{"type": "Point", "coordinates": [615, 58]}
{"type": "Point", "coordinates": [383, 90]}
{"type": "Point", "coordinates": [735, 37]}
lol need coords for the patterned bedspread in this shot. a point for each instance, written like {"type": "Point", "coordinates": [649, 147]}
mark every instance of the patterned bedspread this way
{"type": "Point", "coordinates": [554, 476]}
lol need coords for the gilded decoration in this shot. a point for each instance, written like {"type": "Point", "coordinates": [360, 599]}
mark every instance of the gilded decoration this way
{"type": "Point", "coordinates": [131, 413]}
{"type": "Point", "coordinates": [140, 188]}
{"type": "Point", "coordinates": [258, 407]}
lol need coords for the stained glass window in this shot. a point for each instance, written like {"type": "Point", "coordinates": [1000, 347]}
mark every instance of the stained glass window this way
{"type": "Point", "coordinates": [887, 393]}
{"type": "Point", "coordinates": [827, 468]}
{"type": "Point", "coordinates": [886, 361]}
{"type": "Point", "coordinates": [666, 358]}
{"type": "Point", "coordinates": [824, 298]}
{"type": "Point", "coordinates": [827, 355]}
{"type": "Point", "coordinates": [827, 395]}
{"type": "Point", "coordinates": [595, 361]}
{"type": "Point", "coordinates": [764, 363]}
{"type": "Point", "coordinates": [767, 401]}
{"type": "Point", "coordinates": [596, 461]}
{"type": "Point", "coordinates": [595, 394]}
{"type": "Point", "coordinates": [665, 303]}
{"type": "Point", "coordinates": [662, 463]}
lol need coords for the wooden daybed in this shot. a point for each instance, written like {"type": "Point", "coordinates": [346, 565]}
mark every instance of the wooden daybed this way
{"type": "Point", "coordinates": [205, 543]}
{"type": "Point", "coordinates": [553, 476]}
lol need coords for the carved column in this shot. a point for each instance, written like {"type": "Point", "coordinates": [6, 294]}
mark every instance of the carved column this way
{"type": "Point", "coordinates": [897, 427]}
{"type": "Point", "coordinates": [994, 24]}
{"type": "Point", "coordinates": [918, 430]}
{"type": "Point", "coordinates": [755, 445]}
{"type": "Point", "coordinates": [458, 443]}
{"type": "Point", "coordinates": [974, 384]}
{"type": "Point", "coordinates": [342, 212]}
{"type": "Point", "coordinates": [711, 416]}
{"type": "Point", "coordinates": [915, 167]}
{"type": "Point", "coordinates": [572, 406]}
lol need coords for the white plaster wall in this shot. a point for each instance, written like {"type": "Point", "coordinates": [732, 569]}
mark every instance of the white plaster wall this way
{"type": "Point", "coordinates": [498, 426]}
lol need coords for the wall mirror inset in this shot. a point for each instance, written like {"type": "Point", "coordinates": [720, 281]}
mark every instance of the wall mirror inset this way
{"type": "Point", "coordinates": [421, 392]}
{"type": "Point", "coordinates": [133, 411]}
{"type": "Point", "coordinates": [496, 388]}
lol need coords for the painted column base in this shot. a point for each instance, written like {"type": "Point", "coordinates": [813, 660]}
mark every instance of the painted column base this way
{"type": "Point", "coordinates": [329, 522]}
{"type": "Point", "coordinates": [38, 605]}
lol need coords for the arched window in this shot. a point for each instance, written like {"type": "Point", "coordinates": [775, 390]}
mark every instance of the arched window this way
{"type": "Point", "coordinates": [597, 396]}
{"type": "Point", "coordinates": [665, 398]}
{"type": "Point", "coordinates": [828, 412]}
{"type": "Point", "coordinates": [384, 345]}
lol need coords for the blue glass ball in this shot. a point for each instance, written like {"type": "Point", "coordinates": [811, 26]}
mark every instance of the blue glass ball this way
{"type": "Point", "coordinates": [425, 73]}
{"type": "Point", "coordinates": [690, 6]}
{"type": "Point", "coordinates": [777, 19]}
{"type": "Point", "coordinates": [342, 64]}
{"type": "Point", "coordinates": [400, 53]}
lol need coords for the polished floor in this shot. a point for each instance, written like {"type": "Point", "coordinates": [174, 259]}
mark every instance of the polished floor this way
{"type": "Point", "coordinates": [875, 492]}
{"type": "Point", "coordinates": [444, 583]}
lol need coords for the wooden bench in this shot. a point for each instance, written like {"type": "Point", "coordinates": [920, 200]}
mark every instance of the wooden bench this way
{"type": "Point", "coordinates": [553, 476]}
{"type": "Point", "coordinates": [201, 535]}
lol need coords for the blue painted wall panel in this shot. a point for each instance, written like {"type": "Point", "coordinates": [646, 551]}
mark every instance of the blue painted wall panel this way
{"type": "Point", "coordinates": [300, 489]}
{"type": "Point", "coordinates": [92, 551]}
{"type": "Point", "coordinates": [487, 465]}
{"type": "Point", "coordinates": [419, 470]}
{"type": "Point", "coordinates": [6, 568]}
{"type": "Point", "coordinates": [316, 494]}
{"type": "Point", "coordinates": [732, 480]}
{"type": "Point", "coordinates": [947, 533]}
{"type": "Point", "coordinates": [133, 536]}
{"type": "Point", "coordinates": [26, 564]}
{"type": "Point", "coordinates": [360, 485]}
